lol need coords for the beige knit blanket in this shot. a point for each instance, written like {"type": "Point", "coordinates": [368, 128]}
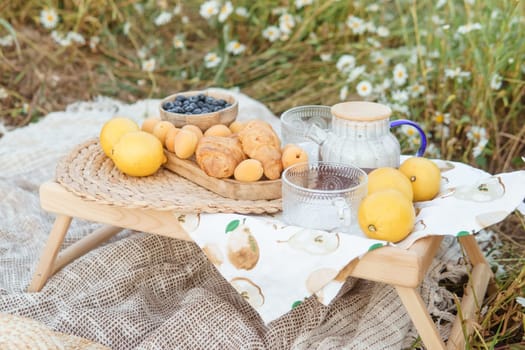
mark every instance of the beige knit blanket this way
{"type": "Point", "coordinates": [142, 291]}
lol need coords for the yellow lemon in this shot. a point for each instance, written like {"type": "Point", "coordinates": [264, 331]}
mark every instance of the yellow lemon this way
{"type": "Point", "coordinates": [138, 154]}
{"type": "Point", "coordinates": [389, 178]}
{"type": "Point", "coordinates": [386, 215]}
{"type": "Point", "coordinates": [113, 130]}
{"type": "Point", "coordinates": [424, 176]}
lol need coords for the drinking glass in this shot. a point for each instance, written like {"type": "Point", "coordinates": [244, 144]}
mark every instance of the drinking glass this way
{"type": "Point", "coordinates": [295, 122]}
{"type": "Point", "coordinates": [323, 195]}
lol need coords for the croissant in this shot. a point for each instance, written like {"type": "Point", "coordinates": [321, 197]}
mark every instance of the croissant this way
{"type": "Point", "coordinates": [218, 156]}
{"type": "Point", "coordinates": [259, 141]}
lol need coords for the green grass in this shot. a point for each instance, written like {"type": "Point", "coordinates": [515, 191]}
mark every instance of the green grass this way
{"type": "Point", "coordinates": [451, 86]}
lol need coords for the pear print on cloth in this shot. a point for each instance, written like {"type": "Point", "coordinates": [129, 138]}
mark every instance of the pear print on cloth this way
{"type": "Point", "coordinates": [243, 250]}
{"type": "Point", "coordinates": [189, 222]}
{"type": "Point", "coordinates": [251, 292]}
{"type": "Point", "coordinates": [314, 241]}
{"type": "Point", "coordinates": [485, 190]}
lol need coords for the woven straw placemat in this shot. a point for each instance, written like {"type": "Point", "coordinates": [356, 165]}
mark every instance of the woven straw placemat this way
{"type": "Point", "coordinates": [89, 173]}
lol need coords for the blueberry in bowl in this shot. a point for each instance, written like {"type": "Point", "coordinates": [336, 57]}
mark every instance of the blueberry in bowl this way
{"type": "Point", "coordinates": [201, 108]}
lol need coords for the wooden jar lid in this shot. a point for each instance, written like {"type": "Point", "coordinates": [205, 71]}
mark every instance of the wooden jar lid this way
{"type": "Point", "coordinates": [361, 111]}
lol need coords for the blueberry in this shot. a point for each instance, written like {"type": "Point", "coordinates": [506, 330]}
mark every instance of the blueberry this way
{"type": "Point", "coordinates": [205, 110]}
{"type": "Point", "coordinates": [193, 105]}
{"type": "Point", "coordinates": [221, 102]}
{"type": "Point", "coordinates": [167, 105]}
{"type": "Point", "coordinates": [227, 105]}
{"type": "Point", "coordinates": [179, 110]}
{"type": "Point", "coordinates": [188, 113]}
{"type": "Point", "coordinates": [217, 108]}
{"type": "Point", "coordinates": [177, 103]}
{"type": "Point", "coordinates": [185, 102]}
{"type": "Point", "coordinates": [194, 98]}
{"type": "Point", "coordinates": [210, 100]}
{"type": "Point", "coordinates": [180, 98]}
{"type": "Point", "coordinates": [188, 109]}
{"type": "Point", "coordinates": [201, 97]}
{"type": "Point", "coordinates": [197, 111]}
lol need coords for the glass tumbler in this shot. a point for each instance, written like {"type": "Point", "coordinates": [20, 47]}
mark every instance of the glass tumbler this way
{"type": "Point", "coordinates": [323, 195]}
{"type": "Point", "coordinates": [295, 122]}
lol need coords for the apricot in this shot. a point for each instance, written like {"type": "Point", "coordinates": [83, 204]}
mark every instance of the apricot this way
{"type": "Point", "coordinates": [218, 130]}
{"type": "Point", "coordinates": [236, 126]}
{"type": "Point", "coordinates": [185, 143]}
{"type": "Point", "coordinates": [149, 123]}
{"type": "Point", "coordinates": [293, 154]}
{"type": "Point", "coordinates": [169, 142]}
{"type": "Point", "coordinates": [248, 170]}
{"type": "Point", "coordinates": [161, 130]}
{"type": "Point", "coordinates": [194, 129]}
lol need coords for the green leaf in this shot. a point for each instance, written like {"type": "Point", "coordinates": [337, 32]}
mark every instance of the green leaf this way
{"type": "Point", "coordinates": [232, 226]}
{"type": "Point", "coordinates": [462, 233]}
{"type": "Point", "coordinates": [375, 246]}
{"type": "Point", "coordinates": [296, 303]}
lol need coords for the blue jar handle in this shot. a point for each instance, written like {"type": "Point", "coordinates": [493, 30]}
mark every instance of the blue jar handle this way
{"type": "Point", "coordinates": [422, 135]}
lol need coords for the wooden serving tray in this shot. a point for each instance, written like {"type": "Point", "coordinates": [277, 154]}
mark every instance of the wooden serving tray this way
{"type": "Point", "coordinates": [262, 189]}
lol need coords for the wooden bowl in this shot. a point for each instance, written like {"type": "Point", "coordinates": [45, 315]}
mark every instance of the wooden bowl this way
{"type": "Point", "coordinates": [205, 120]}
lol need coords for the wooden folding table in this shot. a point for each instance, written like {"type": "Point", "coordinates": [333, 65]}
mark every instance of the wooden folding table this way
{"type": "Point", "coordinates": [402, 268]}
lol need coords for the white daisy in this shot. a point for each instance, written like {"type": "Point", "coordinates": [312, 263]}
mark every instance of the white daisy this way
{"type": "Point", "coordinates": [177, 10]}
{"type": "Point", "coordinates": [345, 63]}
{"type": "Point", "coordinates": [178, 42]}
{"type": "Point", "coordinates": [61, 39]}
{"type": "Point", "coordinates": [3, 93]}
{"type": "Point", "coordinates": [211, 60]}
{"type": "Point", "coordinates": [364, 88]}
{"type": "Point", "coordinates": [400, 96]}
{"type": "Point", "coordinates": [126, 28]}
{"type": "Point", "coordinates": [148, 65]}
{"type": "Point", "coordinates": [355, 73]}
{"type": "Point", "coordinates": [326, 57]}
{"type": "Point", "coordinates": [437, 20]}
{"type": "Point", "coordinates": [478, 149]}
{"type": "Point", "coordinates": [272, 33]}
{"type": "Point", "coordinates": [185, 20]}
{"type": "Point", "coordinates": [372, 8]}
{"type": "Point", "coordinates": [225, 11]}
{"type": "Point", "coordinates": [7, 40]}
{"type": "Point", "coordinates": [209, 9]}
{"type": "Point", "coordinates": [76, 37]}
{"type": "Point", "coordinates": [241, 11]}
{"type": "Point", "coordinates": [93, 42]}
{"type": "Point", "coordinates": [286, 23]}
{"type": "Point", "coordinates": [279, 11]}
{"type": "Point", "coordinates": [456, 73]}
{"type": "Point", "coordinates": [467, 28]}
{"type": "Point", "coordinates": [356, 24]}
{"type": "Point", "coordinates": [440, 3]}
{"type": "Point", "coordinates": [496, 81]}
{"type": "Point", "coordinates": [442, 118]}
{"type": "Point", "coordinates": [299, 4]}
{"type": "Point", "coordinates": [385, 85]}
{"type": "Point", "coordinates": [343, 93]}
{"type": "Point", "coordinates": [476, 133]}
{"type": "Point", "coordinates": [142, 52]}
{"type": "Point", "coordinates": [416, 90]}
{"type": "Point", "coordinates": [48, 18]}
{"type": "Point", "coordinates": [400, 74]}
{"type": "Point", "coordinates": [163, 18]}
{"type": "Point", "coordinates": [370, 27]}
{"type": "Point", "coordinates": [373, 42]}
{"type": "Point", "coordinates": [383, 31]}
{"type": "Point", "coordinates": [378, 59]}
{"type": "Point", "coordinates": [409, 131]}
{"type": "Point", "coordinates": [235, 47]}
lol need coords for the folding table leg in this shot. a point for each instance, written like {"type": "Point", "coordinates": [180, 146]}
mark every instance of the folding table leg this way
{"type": "Point", "coordinates": [417, 311]}
{"type": "Point", "coordinates": [474, 293]}
{"type": "Point", "coordinates": [47, 260]}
